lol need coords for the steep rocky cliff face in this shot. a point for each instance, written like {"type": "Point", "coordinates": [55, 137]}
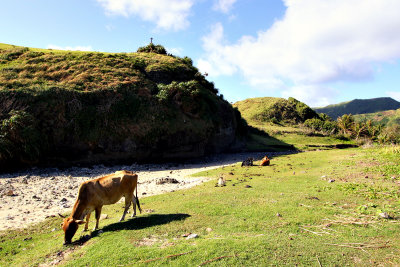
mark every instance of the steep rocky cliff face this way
{"type": "Point", "coordinates": [74, 107]}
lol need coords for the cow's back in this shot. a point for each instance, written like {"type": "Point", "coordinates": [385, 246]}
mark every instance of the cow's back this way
{"type": "Point", "coordinates": [110, 189]}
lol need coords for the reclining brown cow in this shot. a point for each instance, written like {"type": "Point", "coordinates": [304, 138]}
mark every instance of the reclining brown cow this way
{"type": "Point", "coordinates": [95, 193]}
{"type": "Point", "coordinates": [265, 161]}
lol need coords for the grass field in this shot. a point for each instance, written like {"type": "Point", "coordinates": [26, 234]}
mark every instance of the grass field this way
{"type": "Point", "coordinates": [301, 138]}
{"type": "Point", "coordinates": [290, 213]}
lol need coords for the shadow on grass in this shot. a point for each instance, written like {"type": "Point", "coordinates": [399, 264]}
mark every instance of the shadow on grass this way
{"type": "Point", "coordinates": [145, 221]}
{"type": "Point", "coordinates": [135, 224]}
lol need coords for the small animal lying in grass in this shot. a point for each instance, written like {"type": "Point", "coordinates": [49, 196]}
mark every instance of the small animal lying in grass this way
{"type": "Point", "coordinates": [95, 193]}
{"type": "Point", "coordinates": [265, 161]}
{"type": "Point", "coordinates": [248, 162]}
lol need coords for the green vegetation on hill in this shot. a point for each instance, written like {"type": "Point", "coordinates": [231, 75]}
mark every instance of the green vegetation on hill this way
{"type": "Point", "coordinates": [290, 122]}
{"type": "Point", "coordinates": [62, 106]}
{"type": "Point", "coordinates": [322, 208]}
{"type": "Point", "coordinates": [277, 110]}
{"type": "Point", "coordinates": [359, 106]}
{"type": "Point", "coordinates": [388, 117]}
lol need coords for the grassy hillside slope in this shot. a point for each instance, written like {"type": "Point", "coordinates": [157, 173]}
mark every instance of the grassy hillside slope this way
{"type": "Point", "coordinates": [274, 109]}
{"type": "Point", "coordinates": [388, 117]}
{"type": "Point", "coordinates": [359, 106]}
{"type": "Point", "coordinates": [282, 119]}
{"type": "Point", "coordinates": [319, 208]}
{"type": "Point", "coordinates": [62, 106]}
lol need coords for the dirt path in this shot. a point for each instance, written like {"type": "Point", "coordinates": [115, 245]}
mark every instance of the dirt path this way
{"type": "Point", "coordinates": [31, 196]}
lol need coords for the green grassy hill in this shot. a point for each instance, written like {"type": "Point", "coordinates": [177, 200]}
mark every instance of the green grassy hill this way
{"type": "Point", "coordinates": [388, 117]}
{"type": "Point", "coordinates": [359, 106]}
{"type": "Point", "coordinates": [267, 109]}
{"type": "Point", "coordinates": [63, 106]}
{"type": "Point", "coordinates": [283, 120]}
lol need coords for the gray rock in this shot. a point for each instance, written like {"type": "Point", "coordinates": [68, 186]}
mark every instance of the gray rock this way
{"type": "Point", "coordinates": [166, 180]}
{"type": "Point", "coordinates": [191, 236]}
{"type": "Point", "coordinates": [384, 215]}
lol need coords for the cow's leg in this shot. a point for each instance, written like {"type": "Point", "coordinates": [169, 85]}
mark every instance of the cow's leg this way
{"type": "Point", "coordinates": [97, 212]}
{"type": "Point", "coordinates": [128, 201]}
{"type": "Point", "coordinates": [135, 201]}
{"type": "Point", "coordinates": [87, 222]}
{"type": "Point", "coordinates": [134, 206]}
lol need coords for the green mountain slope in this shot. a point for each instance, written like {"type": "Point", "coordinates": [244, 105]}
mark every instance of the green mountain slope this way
{"type": "Point", "coordinates": [388, 117]}
{"type": "Point", "coordinates": [359, 106]}
{"type": "Point", "coordinates": [61, 106]}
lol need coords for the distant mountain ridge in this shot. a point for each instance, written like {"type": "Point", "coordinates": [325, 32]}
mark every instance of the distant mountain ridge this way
{"type": "Point", "coordinates": [359, 106]}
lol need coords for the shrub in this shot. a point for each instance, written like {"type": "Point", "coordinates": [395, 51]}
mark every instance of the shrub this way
{"type": "Point", "coordinates": [13, 54]}
{"type": "Point", "coordinates": [304, 112]}
{"type": "Point", "coordinates": [166, 92]}
{"type": "Point", "coordinates": [19, 137]}
{"type": "Point", "coordinates": [315, 124]}
{"type": "Point", "coordinates": [151, 48]}
{"type": "Point", "coordinates": [390, 134]}
{"type": "Point", "coordinates": [188, 61]}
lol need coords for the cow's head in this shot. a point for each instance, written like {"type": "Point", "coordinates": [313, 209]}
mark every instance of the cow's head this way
{"type": "Point", "coordinates": [70, 226]}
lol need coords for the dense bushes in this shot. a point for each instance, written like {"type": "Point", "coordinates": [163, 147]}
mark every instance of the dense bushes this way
{"type": "Point", "coordinates": [287, 111]}
{"type": "Point", "coordinates": [20, 137]}
{"type": "Point", "coordinates": [320, 124]}
{"type": "Point", "coordinates": [151, 48]}
{"type": "Point", "coordinates": [347, 127]}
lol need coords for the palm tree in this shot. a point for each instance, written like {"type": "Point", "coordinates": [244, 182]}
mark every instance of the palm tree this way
{"type": "Point", "coordinates": [346, 124]}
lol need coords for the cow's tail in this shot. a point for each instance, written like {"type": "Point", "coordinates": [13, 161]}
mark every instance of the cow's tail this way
{"type": "Point", "coordinates": [137, 202]}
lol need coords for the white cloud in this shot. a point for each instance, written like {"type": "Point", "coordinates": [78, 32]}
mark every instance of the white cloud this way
{"type": "Point", "coordinates": [394, 95]}
{"type": "Point", "coordinates": [217, 61]}
{"type": "Point", "coordinates": [166, 14]}
{"type": "Point", "coordinates": [314, 96]}
{"type": "Point", "coordinates": [177, 51]}
{"type": "Point", "coordinates": [110, 27]}
{"type": "Point", "coordinates": [223, 5]}
{"type": "Point", "coordinates": [316, 42]}
{"type": "Point", "coordinates": [74, 48]}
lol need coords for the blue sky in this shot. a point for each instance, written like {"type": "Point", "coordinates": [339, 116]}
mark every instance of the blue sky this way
{"type": "Point", "coordinates": [318, 51]}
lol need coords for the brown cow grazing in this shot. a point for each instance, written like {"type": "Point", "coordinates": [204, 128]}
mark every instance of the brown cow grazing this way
{"type": "Point", "coordinates": [95, 193]}
{"type": "Point", "coordinates": [265, 161]}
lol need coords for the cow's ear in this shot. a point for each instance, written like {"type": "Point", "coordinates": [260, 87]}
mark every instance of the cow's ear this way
{"type": "Point", "coordinates": [80, 221]}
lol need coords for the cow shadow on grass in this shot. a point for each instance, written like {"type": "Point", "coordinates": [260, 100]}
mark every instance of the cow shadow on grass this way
{"type": "Point", "coordinates": [136, 223]}
{"type": "Point", "coordinates": [142, 222]}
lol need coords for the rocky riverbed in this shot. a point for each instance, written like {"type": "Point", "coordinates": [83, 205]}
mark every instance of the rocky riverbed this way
{"type": "Point", "coordinates": [33, 195]}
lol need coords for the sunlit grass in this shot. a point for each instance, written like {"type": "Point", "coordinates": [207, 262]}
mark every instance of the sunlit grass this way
{"type": "Point", "coordinates": [292, 212]}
